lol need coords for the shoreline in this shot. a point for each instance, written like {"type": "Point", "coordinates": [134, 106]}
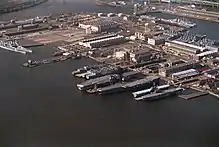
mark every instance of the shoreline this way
{"type": "Point", "coordinates": [190, 16]}
{"type": "Point", "coordinates": [37, 63]}
{"type": "Point", "coordinates": [20, 6]}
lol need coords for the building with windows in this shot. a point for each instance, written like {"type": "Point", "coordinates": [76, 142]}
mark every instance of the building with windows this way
{"type": "Point", "coordinates": [157, 40]}
{"type": "Point", "coordinates": [167, 71]}
{"type": "Point", "coordinates": [184, 48]}
{"type": "Point", "coordinates": [214, 73]}
{"type": "Point", "coordinates": [99, 25]}
{"type": "Point", "coordinates": [204, 54]}
{"type": "Point", "coordinates": [101, 41]}
{"type": "Point", "coordinates": [182, 75]}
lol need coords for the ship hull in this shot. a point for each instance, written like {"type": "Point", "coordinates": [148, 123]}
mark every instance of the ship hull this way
{"type": "Point", "coordinates": [176, 24]}
{"type": "Point", "coordinates": [112, 91]}
{"type": "Point", "coordinates": [160, 97]}
{"type": "Point", "coordinates": [126, 89]}
{"type": "Point", "coordinates": [84, 88]}
{"type": "Point", "coordinates": [11, 49]}
{"type": "Point", "coordinates": [102, 3]}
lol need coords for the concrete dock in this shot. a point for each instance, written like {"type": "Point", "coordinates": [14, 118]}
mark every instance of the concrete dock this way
{"type": "Point", "coordinates": [195, 15]}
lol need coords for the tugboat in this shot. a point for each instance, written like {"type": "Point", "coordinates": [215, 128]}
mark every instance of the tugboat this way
{"type": "Point", "coordinates": [31, 63]}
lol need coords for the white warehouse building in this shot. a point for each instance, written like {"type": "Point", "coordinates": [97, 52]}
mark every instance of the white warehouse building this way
{"type": "Point", "coordinates": [185, 74]}
{"type": "Point", "coordinates": [103, 42]}
{"type": "Point", "coordinates": [99, 25]}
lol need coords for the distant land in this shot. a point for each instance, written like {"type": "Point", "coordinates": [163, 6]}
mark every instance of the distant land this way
{"type": "Point", "coordinates": [7, 6]}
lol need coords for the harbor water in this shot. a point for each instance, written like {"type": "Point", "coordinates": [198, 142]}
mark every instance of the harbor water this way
{"type": "Point", "coordinates": [42, 107]}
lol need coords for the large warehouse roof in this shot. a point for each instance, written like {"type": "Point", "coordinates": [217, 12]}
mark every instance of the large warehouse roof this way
{"type": "Point", "coordinates": [206, 53]}
{"type": "Point", "coordinates": [188, 45]}
{"type": "Point", "coordinates": [99, 37]}
{"type": "Point", "coordinates": [99, 22]}
{"type": "Point", "coordinates": [184, 72]}
{"type": "Point", "coordinates": [105, 39]}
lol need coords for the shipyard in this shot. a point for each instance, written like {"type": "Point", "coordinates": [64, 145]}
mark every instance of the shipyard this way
{"type": "Point", "coordinates": [86, 73]}
{"type": "Point", "coordinates": [150, 57]}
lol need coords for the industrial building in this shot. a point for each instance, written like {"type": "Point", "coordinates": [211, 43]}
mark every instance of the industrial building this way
{"type": "Point", "coordinates": [119, 54]}
{"type": "Point", "coordinates": [99, 37]}
{"type": "Point", "coordinates": [204, 54]}
{"type": "Point", "coordinates": [213, 62]}
{"type": "Point", "coordinates": [212, 48]}
{"type": "Point", "coordinates": [185, 48]}
{"type": "Point", "coordinates": [102, 41]}
{"type": "Point", "coordinates": [156, 40]}
{"type": "Point", "coordinates": [142, 58]}
{"type": "Point", "coordinates": [171, 63]}
{"type": "Point", "coordinates": [214, 74]}
{"type": "Point", "coordinates": [98, 25]}
{"type": "Point", "coordinates": [141, 55]}
{"type": "Point", "coordinates": [177, 68]}
{"type": "Point", "coordinates": [184, 74]}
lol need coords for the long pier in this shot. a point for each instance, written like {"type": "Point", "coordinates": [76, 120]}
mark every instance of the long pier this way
{"type": "Point", "coordinates": [191, 15]}
{"type": "Point", "coordinates": [214, 94]}
{"type": "Point", "coordinates": [32, 64]}
{"type": "Point", "coordinates": [30, 30]}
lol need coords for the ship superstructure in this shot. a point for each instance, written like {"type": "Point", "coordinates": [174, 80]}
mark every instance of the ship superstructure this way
{"type": "Point", "coordinates": [177, 22]}
{"type": "Point", "coordinates": [129, 86]}
{"type": "Point", "coordinates": [147, 91]}
{"type": "Point", "coordinates": [100, 81]}
{"type": "Point", "coordinates": [12, 45]}
{"type": "Point", "coordinates": [159, 95]}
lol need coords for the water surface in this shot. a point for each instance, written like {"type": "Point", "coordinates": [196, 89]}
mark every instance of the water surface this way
{"type": "Point", "coordinates": [41, 107]}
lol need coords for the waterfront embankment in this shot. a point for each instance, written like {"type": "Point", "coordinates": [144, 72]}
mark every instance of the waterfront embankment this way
{"type": "Point", "coordinates": [12, 7]}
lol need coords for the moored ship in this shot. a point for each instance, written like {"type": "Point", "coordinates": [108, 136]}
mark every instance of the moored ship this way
{"type": "Point", "coordinates": [110, 3]}
{"type": "Point", "coordinates": [13, 46]}
{"type": "Point", "coordinates": [129, 86]}
{"type": "Point", "coordinates": [147, 91]}
{"type": "Point", "coordinates": [159, 95]}
{"type": "Point", "coordinates": [177, 22]}
{"type": "Point", "coordinates": [96, 82]}
{"type": "Point", "coordinates": [116, 88]}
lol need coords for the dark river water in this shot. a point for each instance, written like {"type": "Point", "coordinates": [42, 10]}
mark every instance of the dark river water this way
{"type": "Point", "coordinates": [41, 107]}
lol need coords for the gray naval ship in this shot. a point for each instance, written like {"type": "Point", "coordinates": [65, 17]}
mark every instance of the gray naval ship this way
{"type": "Point", "coordinates": [12, 45]}
{"type": "Point", "coordinates": [159, 95]}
